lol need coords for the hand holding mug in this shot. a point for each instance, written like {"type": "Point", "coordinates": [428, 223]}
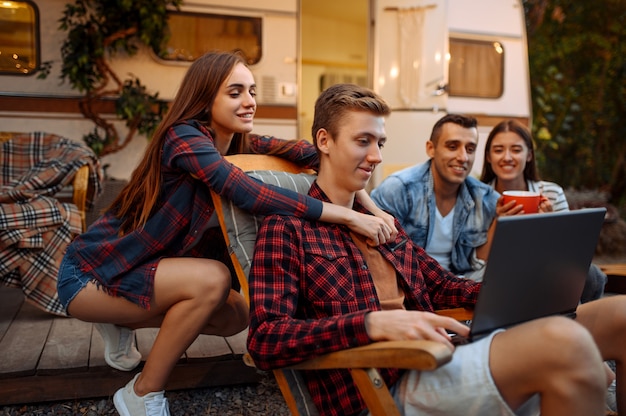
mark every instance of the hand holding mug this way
{"type": "Point", "coordinates": [529, 201]}
{"type": "Point", "coordinates": [545, 205]}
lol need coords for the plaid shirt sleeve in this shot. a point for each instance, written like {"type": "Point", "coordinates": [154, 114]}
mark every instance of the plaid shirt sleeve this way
{"type": "Point", "coordinates": [187, 148]}
{"type": "Point", "coordinates": [302, 152]}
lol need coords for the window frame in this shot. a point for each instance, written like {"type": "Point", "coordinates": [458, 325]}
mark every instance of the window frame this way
{"type": "Point", "coordinates": [491, 43]}
{"type": "Point", "coordinates": [35, 45]}
{"type": "Point", "coordinates": [257, 31]}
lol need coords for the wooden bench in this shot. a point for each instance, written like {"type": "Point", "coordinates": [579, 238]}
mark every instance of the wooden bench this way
{"type": "Point", "coordinates": [616, 273]}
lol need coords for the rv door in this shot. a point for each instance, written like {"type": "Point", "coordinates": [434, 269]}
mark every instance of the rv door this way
{"type": "Point", "coordinates": [410, 72]}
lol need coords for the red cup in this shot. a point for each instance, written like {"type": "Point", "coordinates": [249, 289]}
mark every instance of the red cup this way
{"type": "Point", "coordinates": [530, 200]}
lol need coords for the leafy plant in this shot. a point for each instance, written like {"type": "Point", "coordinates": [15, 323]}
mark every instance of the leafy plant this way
{"type": "Point", "coordinates": [577, 53]}
{"type": "Point", "coordinates": [96, 31]}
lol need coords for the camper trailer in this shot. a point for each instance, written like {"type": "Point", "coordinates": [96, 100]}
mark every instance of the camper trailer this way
{"type": "Point", "coordinates": [425, 57]}
{"type": "Point", "coordinates": [448, 56]}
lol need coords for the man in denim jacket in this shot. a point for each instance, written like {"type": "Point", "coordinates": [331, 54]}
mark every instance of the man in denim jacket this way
{"type": "Point", "coordinates": [440, 206]}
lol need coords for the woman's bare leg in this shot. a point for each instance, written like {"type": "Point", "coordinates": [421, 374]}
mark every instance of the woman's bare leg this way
{"type": "Point", "coordinates": [189, 295]}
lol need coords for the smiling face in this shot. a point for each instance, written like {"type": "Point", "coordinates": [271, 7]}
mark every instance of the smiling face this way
{"type": "Point", "coordinates": [348, 159]}
{"type": "Point", "coordinates": [234, 106]}
{"type": "Point", "coordinates": [452, 155]}
{"type": "Point", "coordinates": [508, 155]}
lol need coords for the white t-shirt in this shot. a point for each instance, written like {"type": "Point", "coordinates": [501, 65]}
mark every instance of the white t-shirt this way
{"type": "Point", "coordinates": [439, 246]}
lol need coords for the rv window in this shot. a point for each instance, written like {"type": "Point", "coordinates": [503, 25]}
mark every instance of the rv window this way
{"type": "Point", "coordinates": [476, 68]}
{"type": "Point", "coordinates": [19, 37]}
{"type": "Point", "coordinates": [194, 34]}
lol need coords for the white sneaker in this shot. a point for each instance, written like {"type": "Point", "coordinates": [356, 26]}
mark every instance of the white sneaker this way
{"type": "Point", "coordinates": [611, 403]}
{"type": "Point", "coordinates": [127, 403]}
{"type": "Point", "coordinates": [120, 351]}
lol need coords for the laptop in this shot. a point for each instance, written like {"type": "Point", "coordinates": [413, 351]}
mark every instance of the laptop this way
{"type": "Point", "coordinates": [537, 266]}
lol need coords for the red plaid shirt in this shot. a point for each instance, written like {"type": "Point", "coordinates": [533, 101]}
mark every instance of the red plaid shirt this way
{"type": "Point", "coordinates": [191, 165]}
{"type": "Point", "coordinates": [310, 290]}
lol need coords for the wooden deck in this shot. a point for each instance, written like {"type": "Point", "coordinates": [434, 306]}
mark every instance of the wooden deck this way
{"type": "Point", "coordinates": [48, 358]}
{"type": "Point", "coordinates": [616, 274]}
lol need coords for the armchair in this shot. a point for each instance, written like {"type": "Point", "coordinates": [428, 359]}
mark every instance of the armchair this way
{"type": "Point", "coordinates": [46, 185]}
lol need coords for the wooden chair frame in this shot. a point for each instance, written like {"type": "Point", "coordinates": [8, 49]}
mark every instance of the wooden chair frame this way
{"type": "Point", "coordinates": [362, 362]}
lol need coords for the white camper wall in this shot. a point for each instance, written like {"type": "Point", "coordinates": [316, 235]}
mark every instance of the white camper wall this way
{"type": "Point", "coordinates": [415, 108]}
{"type": "Point", "coordinates": [410, 124]}
{"type": "Point", "coordinates": [499, 21]}
{"type": "Point", "coordinates": [334, 47]}
{"type": "Point", "coordinates": [275, 75]}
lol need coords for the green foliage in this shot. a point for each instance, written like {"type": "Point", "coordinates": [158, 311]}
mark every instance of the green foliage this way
{"type": "Point", "coordinates": [97, 28]}
{"type": "Point", "coordinates": [96, 31]}
{"type": "Point", "coordinates": [577, 53]}
{"type": "Point", "coordinates": [95, 141]}
{"type": "Point", "coordinates": [135, 101]}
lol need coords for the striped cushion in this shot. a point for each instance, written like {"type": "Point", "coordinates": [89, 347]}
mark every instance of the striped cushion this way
{"type": "Point", "coordinates": [242, 226]}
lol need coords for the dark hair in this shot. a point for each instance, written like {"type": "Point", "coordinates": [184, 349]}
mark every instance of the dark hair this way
{"type": "Point", "coordinates": [467, 122]}
{"type": "Point", "coordinates": [514, 126]}
{"type": "Point", "coordinates": [193, 101]}
{"type": "Point", "coordinates": [334, 102]}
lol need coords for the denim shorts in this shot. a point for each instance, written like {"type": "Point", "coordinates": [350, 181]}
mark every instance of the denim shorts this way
{"type": "Point", "coordinates": [462, 387]}
{"type": "Point", "coordinates": [70, 281]}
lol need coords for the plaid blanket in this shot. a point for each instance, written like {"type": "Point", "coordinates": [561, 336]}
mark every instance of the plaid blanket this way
{"type": "Point", "coordinates": [35, 227]}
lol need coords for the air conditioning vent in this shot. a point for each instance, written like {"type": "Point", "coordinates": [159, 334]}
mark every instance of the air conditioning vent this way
{"type": "Point", "coordinates": [332, 78]}
{"type": "Point", "coordinates": [269, 90]}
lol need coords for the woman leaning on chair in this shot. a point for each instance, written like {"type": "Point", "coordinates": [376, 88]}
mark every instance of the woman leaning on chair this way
{"type": "Point", "coordinates": [156, 258]}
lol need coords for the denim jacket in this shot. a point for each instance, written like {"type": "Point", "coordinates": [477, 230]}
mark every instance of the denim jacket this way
{"type": "Point", "coordinates": [409, 196]}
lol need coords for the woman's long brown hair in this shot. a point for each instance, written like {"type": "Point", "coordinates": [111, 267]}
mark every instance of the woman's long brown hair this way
{"type": "Point", "coordinates": [193, 101]}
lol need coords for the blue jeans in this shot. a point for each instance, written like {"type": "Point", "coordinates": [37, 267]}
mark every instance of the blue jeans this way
{"type": "Point", "coordinates": [70, 281]}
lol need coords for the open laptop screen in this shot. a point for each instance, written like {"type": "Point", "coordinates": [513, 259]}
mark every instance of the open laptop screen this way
{"type": "Point", "coordinates": [537, 267]}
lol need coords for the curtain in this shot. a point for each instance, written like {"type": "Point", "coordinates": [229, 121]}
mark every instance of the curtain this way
{"type": "Point", "coordinates": [410, 39]}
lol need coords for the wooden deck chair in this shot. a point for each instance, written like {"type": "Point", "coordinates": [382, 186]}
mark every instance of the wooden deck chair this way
{"type": "Point", "coordinates": [240, 228]}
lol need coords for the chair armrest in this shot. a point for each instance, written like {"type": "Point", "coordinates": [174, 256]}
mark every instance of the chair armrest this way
{"type": "Point", "coordinates": [460, 314]}
{"type": "Point", "coordinates": [618, 269]}
{"type": "Point", "coordinates": [413, 354]}
{"type": "Point", "coordinates": [248, 162]}
{"type": "Point", "coordinates": [416, 354]}
{"type": "Point", "coordinates": [80, 185]}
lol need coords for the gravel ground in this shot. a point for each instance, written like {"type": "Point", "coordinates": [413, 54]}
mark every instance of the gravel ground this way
{"type": "Point", "coordinates": [259, 399]}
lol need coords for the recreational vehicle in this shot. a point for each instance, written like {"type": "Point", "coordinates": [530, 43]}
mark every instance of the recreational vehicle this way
{"type": "Point", "coordinates": [425, 57]}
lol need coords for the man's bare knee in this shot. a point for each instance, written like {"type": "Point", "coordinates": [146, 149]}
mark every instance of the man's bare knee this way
{"type": "Point", "coordinates": [574, 367]}
{"type": "Point", "coordinates": [555, 357]}
{"type": "Point", "coordinates": [567, 344]}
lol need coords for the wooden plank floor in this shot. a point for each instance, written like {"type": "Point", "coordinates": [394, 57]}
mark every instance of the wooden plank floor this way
{"type": "Point", "coordinates": [46, 358]}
